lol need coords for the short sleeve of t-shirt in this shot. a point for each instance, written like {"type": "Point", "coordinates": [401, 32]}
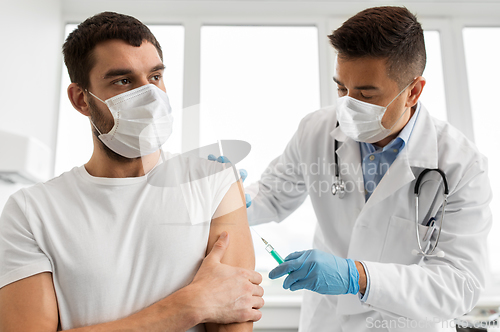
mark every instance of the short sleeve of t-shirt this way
{"type": "Point", "coordinates": [204, 192]}
{"type": "Point", "coordinates": [220, 183]}
{"type": "Point", "coordinates": [20, 255]}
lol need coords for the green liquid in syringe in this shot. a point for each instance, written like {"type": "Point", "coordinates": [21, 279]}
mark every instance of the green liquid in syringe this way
{"type": "Point", "coordinates": [276, 256]}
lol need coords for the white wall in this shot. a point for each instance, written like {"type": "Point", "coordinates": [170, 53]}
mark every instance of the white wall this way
{"type": "Point", "coordinates": [31, 35]}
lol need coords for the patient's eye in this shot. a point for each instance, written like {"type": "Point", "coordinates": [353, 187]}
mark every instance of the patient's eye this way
{"type": "Point", "coordinates": [123, 81]}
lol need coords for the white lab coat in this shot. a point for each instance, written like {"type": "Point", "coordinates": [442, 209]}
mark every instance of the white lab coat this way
{"type": "Point", "coordinates": [407, 292]}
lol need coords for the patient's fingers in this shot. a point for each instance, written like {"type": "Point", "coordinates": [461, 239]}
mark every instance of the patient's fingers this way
{"type": "Point", "coordinates": [258, 302]}
{"type": "Point", "coordinates": [254, 277]}
{"type": "Point", "coordinates": [258, 291]}
{"type": "Point", "coordinates": [253, 315]}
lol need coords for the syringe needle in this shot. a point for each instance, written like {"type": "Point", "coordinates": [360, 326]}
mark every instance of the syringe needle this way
{"type": "Point", "coordinates": [270, 249]}
{"type": "Point", "coordinates": [265, 242]}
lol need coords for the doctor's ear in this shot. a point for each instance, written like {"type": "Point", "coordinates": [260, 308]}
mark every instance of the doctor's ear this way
{"type": "Point", "coordinates": [76, 96]}
{"type": "Point", "coordinates": [415, 91]}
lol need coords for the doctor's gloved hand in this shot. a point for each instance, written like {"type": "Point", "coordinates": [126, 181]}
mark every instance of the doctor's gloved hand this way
{"type": "Point", "coordinates": [243, 174]}
{"type": "Point", "coordinates": [318, 271]}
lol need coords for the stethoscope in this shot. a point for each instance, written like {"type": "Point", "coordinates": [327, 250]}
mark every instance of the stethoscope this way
{"type": "Point", "coordinates": [431, 224]}
{"type": "Point", "coordinates": [338, 188]}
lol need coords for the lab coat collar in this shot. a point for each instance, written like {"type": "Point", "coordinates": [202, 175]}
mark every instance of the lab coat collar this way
{"type": "Point", "coordinates": [339, 135]}
{"type": "Point", "coordinates": [420, 152]}
{"type": "Point", "coordinates": [350, 167]}
{"type": "Point", "coordinates": [422, 147]}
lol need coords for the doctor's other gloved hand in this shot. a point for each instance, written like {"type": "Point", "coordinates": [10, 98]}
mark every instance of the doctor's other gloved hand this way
{"type": "Point", "coordinates": [243, 174]}
{"type": "Point", "coordinates": [318, 271]}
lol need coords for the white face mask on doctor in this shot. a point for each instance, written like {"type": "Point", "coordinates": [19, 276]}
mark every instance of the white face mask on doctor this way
{"type": "Point", "coordinates": [143, 121]}
{"type": "Point", "coordinates": [362, 121]}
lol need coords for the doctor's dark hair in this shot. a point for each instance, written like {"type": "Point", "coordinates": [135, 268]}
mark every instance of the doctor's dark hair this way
{"type": "Point", "coordinates": [78, 49]}
{"type": "Point", "coordinates": [391, 33]}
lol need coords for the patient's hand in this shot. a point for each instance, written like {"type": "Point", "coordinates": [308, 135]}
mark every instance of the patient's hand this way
{"type": "Point", "coordinates": [226, 294]}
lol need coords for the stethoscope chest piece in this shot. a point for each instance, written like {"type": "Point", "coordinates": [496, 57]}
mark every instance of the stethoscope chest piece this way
{"type": "Point", "coordinates": [338, 188]}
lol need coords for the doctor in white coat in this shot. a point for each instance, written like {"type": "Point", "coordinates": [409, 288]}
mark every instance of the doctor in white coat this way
{"type": "Point", "coordinates": [361, 274]}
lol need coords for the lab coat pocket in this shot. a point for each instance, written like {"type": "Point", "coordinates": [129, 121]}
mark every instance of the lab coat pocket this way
{"type": "Point", "coordinates": [400, 240]}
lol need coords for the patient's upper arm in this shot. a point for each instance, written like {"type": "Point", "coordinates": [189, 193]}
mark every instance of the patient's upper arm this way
{"type": "Point", "coordinates": [29, 304]}
{"type": "Point", "coordinates": [231, 216]}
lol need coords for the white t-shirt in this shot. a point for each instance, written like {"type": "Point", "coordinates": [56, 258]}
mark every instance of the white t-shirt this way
{"type": "Point", "coordinates": [114, 245]}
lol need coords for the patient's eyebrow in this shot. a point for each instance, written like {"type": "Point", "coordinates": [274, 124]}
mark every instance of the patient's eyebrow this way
{"type": "Point", "coordinates": [116, 72]}
{"type": "Point", "coordinates": [158, 67]}
{"type": "Point", "coordinates": [123, 71]}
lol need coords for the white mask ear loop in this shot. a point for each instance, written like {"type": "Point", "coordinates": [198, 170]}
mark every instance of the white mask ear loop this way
{"type": "Point", "coordinates": [89, 116]}
{"type": "Point", "coordinates": [93, 95]}
{"type": "Point", "coordinates": [95, 126]}
{"type": "Point", "coordinates": [395, 99]}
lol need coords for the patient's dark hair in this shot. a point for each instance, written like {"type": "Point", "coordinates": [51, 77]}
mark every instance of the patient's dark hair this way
{"type": "Point", "coordinates": [78, 49]}
{"type": "Point", "coordinates": [391, 33]}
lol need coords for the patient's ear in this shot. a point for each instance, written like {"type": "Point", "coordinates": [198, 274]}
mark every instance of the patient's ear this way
{"type": "Point", "coordinates": [76, 96]}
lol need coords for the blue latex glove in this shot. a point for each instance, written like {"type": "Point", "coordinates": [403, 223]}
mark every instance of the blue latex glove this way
{"type": "Point", "coordinates": [318, 271]}
{"type": "Point", "coordinates": [243, 174]}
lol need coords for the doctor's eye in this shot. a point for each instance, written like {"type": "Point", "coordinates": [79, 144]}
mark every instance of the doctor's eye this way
{"type": "Point", "coordinates": [342, 91]}
{"type": "Point", "coordinates": [365, 96]}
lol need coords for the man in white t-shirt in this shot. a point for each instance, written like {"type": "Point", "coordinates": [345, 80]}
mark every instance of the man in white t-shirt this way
{"type": "Point", "coordinates": [134, 239]}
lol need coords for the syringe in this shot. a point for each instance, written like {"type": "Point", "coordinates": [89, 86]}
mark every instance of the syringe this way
{"type": "Point", "coordinates": [273, 252]}
{"type": "Point", "coordinates": [270, 249]}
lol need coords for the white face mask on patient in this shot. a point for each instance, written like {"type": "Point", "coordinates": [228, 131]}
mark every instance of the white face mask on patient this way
{"type": "Point", "coordinates": [143, 121]}
{"type": "Point", "coordinates": [362, 121]}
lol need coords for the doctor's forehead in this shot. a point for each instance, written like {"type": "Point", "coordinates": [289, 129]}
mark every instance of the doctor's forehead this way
{"type": "Point", "coordinates": [362, 72]}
